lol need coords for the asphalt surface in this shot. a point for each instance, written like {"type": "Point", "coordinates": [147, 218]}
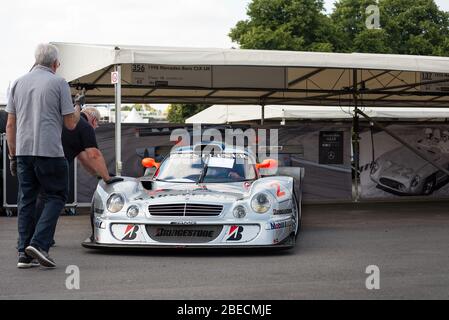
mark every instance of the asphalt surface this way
{"type": "Point", "coordinates": [408, 242]}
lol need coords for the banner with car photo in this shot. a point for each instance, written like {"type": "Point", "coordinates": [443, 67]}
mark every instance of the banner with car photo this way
{"type": "Point", "coordinates": [390, 170]}
{"type": "Point", "coordinates": [322, 148]}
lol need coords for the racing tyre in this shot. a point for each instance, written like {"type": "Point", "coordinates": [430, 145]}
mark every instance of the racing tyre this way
{"type": "Point", "coordinates": [297, 208]}
{"type": "Point", "coordinates": [429, 185]}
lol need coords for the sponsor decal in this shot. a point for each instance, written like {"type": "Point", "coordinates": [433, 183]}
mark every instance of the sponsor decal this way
{"type": "Point", "coordinates": [131, 232]}
{"type": "Point", "coordinates": [235, 233]}
{"type": "Point", "coordinates": [183, 222]}
{"type": "Point", "coordinates": [282, 211]}
{"type": "Point", "coordinates": [279, 225]}
{"type": "Point", "coordinates": [163, 232]}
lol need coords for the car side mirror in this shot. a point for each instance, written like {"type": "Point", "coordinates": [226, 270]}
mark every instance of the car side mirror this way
{"type": "Point", "coordinates": [150, 163]}
{"type": "Point", "coordinates": [267, 164]}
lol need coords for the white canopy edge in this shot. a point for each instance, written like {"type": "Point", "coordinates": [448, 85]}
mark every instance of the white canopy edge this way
{"type": "Point", "coordinates": [79, 59]}
{"type": "Point", "coordinates": [222, 114]}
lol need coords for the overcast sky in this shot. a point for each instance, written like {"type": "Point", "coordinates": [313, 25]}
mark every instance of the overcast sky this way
{"type": "Point", "coordinates": [197, 23]}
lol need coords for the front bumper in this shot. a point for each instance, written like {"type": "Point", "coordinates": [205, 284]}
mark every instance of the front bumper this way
{"type": "Point", "coordinates": [274, 233]}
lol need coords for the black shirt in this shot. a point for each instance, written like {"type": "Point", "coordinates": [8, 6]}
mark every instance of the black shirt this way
{"type": "Point", "coordinates": [77, 140]}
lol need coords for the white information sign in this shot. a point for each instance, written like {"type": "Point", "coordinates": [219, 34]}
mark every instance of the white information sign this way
{"type": "Point", "coordinates": [114, 77]}
{"type": "Point", "coordinates": [171, 75]}
{"type": "Point", "coordinates": [435, 87]}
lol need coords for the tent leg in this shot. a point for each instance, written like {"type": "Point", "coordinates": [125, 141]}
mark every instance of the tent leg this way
{"type": "Point", "coordinates": [356, 136]}
{"type": "Point", "coordinates": [262, 118]}
{"type": "Point", "coordinates": [118, 125]}
{"type": "Point", "coordinates": [356, 150]}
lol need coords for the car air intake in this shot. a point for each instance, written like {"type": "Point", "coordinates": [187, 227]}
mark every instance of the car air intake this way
{"type": "Point", "coordinates": [392, 184]}
{"type": "Point", "coordinates": [185, 209]}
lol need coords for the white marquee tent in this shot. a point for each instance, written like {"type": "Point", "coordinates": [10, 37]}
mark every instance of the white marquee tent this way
{"type": "Point", "coordinates": [222, 114]}
{"type": "Point", "coordinates": [134, 117]}
{"type": "Point", "coordinates": [257, 77]}
{"type": "Point", "coordinates": [229, 76]}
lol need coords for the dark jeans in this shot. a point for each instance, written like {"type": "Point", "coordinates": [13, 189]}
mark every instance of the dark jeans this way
{"type": "Point", "coordinates": [42, 198]}
{"type": "Point", "coordinates": [52, 176]}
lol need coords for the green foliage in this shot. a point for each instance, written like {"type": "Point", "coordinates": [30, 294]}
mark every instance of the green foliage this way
{"type": "Point", "coordinates": [178, 113]}
{"type": "Point", "coordinates": [297, 25]}
{"type": "Point", "coordinates": [407, 27]}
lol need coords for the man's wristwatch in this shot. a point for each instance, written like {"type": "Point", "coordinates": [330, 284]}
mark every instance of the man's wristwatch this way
{"type": "Point", "coordinates": [11, 157]}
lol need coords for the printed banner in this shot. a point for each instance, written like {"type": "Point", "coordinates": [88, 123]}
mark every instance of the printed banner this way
{"type": "Point", "coordinates": [391, 170]}
{"type": "Point", "coordinates": [298, 146]}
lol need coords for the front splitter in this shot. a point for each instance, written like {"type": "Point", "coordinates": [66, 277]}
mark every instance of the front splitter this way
{"type": "Point", "coordinates": [99, 246]}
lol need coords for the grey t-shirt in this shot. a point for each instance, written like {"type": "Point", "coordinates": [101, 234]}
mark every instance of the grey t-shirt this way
{"type": "Point", "coordinates": [39, 100]}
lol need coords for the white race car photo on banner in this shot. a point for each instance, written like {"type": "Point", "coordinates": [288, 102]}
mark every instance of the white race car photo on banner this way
{"type": "Point", "coordinates": [390, 169]}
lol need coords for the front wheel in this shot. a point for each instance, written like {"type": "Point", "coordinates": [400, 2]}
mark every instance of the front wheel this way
{"type": "Point", "coordinates": [297, 214]}
{"type": "Point", "coordinates": [429, 185]}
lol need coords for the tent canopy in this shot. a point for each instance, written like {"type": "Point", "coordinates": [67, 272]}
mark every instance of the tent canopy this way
{"type": "Point", "coordinates": [231, 76]}
{"type": "Point", "coordinates": [221, 114]}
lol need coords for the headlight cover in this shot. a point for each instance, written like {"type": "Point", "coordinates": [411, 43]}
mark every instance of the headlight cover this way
{"type": "Point", "coordinates": [115, 202]}
{"type": "Point", "coordinates": [239, 212]}
{"type": "Point", "coordinates": [132, 211]}
{"type": "Point", "coordinates": [260, 203]}
{"type": "Point", "coordinates": [415, 181]}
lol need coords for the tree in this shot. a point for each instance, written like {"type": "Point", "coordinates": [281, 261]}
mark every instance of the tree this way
{"type": "Point", "coordinates": [178, 113]}
{"type": "Point", "coordinates": [298, 25]}
{"type": "Point", "coordinates": [407, 27]}
{"type": "Point", "coordinates": [416, 27]}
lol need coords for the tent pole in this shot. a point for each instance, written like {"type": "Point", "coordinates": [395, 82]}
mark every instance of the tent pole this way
{"type": "Point", "coordinates": [262, 118]}
{"type": "Point", "coordinates": [118, 119]}
{"type": "Point", "coordinates": [356, 136]}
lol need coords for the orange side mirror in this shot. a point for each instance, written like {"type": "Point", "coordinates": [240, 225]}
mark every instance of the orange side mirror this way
{"type": "Point", "coordinates": [150, 162]}
{"type": "Point", "coordinates": [267, 164]}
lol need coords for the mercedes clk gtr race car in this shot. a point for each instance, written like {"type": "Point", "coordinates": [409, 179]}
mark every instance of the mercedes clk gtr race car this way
{"type": "Point", "coordinates": [197, 199]}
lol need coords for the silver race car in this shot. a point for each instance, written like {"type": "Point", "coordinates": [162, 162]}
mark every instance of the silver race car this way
{"type": "Point", "coordinates": [198, 199]}
{"type": "Point", "coordinates": [402, 172]}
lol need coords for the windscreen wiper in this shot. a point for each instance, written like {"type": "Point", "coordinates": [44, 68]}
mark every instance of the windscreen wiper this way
{"type": "Point", "coordinates": [203, 173]}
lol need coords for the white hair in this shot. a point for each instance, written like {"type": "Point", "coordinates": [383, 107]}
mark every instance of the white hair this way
{"type": "Point", "coordinates": [93, 112]}
{"type": "Point", "coordinates": [46, 54]}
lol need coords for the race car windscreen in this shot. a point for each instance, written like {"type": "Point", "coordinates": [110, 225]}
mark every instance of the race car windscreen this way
{"type": "Point", "coordinates": [188, 167]}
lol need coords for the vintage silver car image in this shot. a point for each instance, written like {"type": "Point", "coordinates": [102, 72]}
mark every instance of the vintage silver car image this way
{"type": "Point", "coordinates": [198, 200]}
{"type": "Point", "coordinates": [395, 170]}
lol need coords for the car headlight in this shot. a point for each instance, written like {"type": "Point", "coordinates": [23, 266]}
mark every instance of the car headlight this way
{"type": "Point", "coordinates": [132, 211]}
{"type": "Point", "coordinates": [239, 212]}
{"type": "Point", "coordinates": [115, 202]}
{"type": "Point", "coordinates": [374, 167]}
{"type": "Point", "coordinates": [260, 203]}
{"type": "Point", "coordinates": [415, 181]}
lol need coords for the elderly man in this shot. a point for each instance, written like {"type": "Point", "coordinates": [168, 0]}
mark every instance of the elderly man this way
{"type": "Point", "coordinates": [81, 143]}
{"type": "Point", "coordinates": [39, 105]}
